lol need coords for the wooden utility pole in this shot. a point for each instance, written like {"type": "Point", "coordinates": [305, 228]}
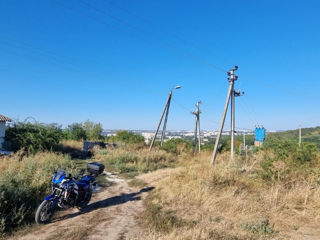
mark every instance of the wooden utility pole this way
{"type": "Point", "coordinates": [165, 110]}
{"type": "Point", "coordinates": [232, 78]}
{"type": "Point", "coordinates": [197, 137]}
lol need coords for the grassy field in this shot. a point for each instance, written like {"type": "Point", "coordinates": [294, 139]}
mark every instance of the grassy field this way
{"type": "Point", "coordinates": [269, 196]}
{"type": "Point", "coordinates": [272, 194]}
{"type": "Point", "coordinates": [131, 162]}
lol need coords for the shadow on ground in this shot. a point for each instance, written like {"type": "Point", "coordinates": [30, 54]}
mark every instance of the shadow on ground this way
{"type": "Point", "coordinates": [116, 200]}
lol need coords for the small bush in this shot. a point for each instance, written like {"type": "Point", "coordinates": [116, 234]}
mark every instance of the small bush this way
{"type": "Point", "coordinates": [263, 227]}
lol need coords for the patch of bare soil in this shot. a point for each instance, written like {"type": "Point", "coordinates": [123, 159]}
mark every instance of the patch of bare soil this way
{"type": "Point", "coordinates": [111, 214]}
{"type": "Point", "coordinates": [311, 232]}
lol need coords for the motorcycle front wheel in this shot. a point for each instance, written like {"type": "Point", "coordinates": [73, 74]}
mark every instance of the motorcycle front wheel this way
{"type": "Point", "coordinates": [44, 212]}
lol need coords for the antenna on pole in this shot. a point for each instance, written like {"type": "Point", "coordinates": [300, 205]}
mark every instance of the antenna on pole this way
{"type": "Point", "coordinates": [197, 136]}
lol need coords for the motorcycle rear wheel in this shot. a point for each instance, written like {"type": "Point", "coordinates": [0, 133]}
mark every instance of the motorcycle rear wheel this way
{"type": "Point", "coordinates": [44, 212]}
{"type": "Point", "coordinates": [85, 201]}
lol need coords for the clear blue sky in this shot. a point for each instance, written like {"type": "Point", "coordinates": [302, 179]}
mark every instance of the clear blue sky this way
{"type": "Point", "coordinates": [114, 61]}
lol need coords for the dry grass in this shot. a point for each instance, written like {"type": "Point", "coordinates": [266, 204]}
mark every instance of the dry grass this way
{"type": "Point", "coordinates": [136, 182]}
{"type": "Point", "coordinates": [23, 184]}
{"type": "Point", "coordinates": [69, 146]}
{"type": "Point", "coordinates": [34, 169]}
{"type": "Point", "coordinates": [131, 162]}
{"type": "Point", "coordinates": [233, 201]}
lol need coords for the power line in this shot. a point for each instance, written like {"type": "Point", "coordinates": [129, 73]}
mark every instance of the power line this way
{"type": "Point", "coordinates": [39, 52]}
{"type": "Point", "coordinates": [174, 35]}
{"type": "Point", "coordinates": [179, 51]}
{"type": "Point", "coordinates": [254, 121]}
{"type": "Point", "coordinates": [205, 117]}
{"type": "Point", "coordinates": [19, 54]}
{"type": "Point", "coordinates": [277, 88]}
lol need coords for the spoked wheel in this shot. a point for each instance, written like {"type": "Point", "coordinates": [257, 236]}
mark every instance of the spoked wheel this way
{"type": "Point", "coordinates": [44, 212]}
{"type": "Point", "coordinates": [85, 201]}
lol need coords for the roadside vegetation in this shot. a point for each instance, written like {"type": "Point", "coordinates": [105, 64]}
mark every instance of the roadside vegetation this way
{"type": "Point", "coordinates": [39, 149]}
{"type": "Point", "coordinates": [23, 184]}
{"type": "Point", "coordinates": [271, 194]}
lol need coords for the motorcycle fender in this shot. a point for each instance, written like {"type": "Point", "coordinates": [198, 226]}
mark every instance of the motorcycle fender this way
{"type": "Point", "coordinates": [50, 197]}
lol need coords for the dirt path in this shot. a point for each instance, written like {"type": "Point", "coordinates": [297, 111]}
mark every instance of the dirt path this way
{"type": "Point", "coordinates": [112, 214]}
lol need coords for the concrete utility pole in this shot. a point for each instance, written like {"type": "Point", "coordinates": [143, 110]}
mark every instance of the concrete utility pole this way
{"type": "Point", "coordinates": [233, 114]}
{"type": "Point", "coordinates": [299, 135]}
{"type": "Point", "coordinates": [244, 141]}
{"type": "Point", "coordinates": [232, 78]}
{"type": "Point", "coordinates": [165, 123]}
{"type": "Point", "coordinates": [165, 110]}
{"type": "Point", "coordinates": [197, 139]}
{"type": "Point", "coordinates": [232, 122]}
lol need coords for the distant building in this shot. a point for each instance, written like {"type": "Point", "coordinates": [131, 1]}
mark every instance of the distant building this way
{"type": "Point", "coordinates": [3, 120]}
{"type": "Point", "coordinates": [147, 136]}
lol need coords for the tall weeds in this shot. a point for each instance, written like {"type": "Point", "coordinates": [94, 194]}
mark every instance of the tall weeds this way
{"type": "Point", "coordinates": [244, 199]}
{"type": "Point", "coordinates": [23, 184]}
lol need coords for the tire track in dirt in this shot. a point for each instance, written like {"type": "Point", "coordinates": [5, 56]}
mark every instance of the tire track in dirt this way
{"type": "Point", "coordinates": [111, 214]}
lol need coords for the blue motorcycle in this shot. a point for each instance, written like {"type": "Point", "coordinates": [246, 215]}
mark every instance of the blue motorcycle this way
{"type": "Point", "coordinates": [67, 192]}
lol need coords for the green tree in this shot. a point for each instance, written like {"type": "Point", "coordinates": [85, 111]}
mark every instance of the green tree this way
{"type": "Point", "coordinates": [75, 131]}
{"type": "Point", "coordinates": [93, 130]}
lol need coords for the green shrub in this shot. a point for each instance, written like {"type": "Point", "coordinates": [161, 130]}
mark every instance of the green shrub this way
{"type": "Point", "coordinates": [284, 157]}
{"type": "Point", "coordinates": [177, 146]}
{"type": "Point", "coordinates": [262, 227]}
{"type": "Point", "coordinates": [33, 137]}
{"type": "Point", "coordinates": [128, 137]}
